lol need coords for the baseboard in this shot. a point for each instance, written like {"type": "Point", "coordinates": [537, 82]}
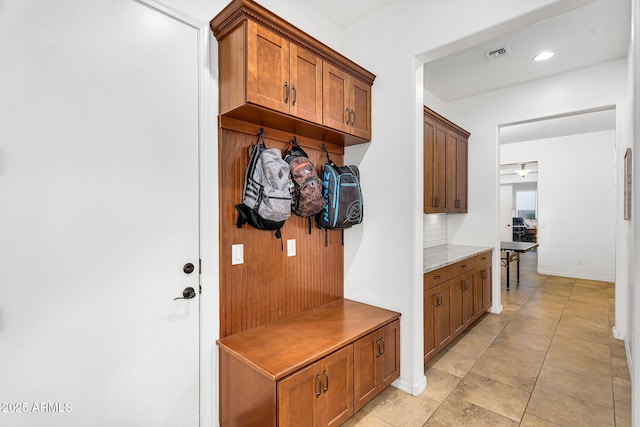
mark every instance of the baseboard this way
{"type": "Point", "coordinates": [572, 275]}
{"type": "Point", "coordinates": [629, 359]}
{"type": "Point", "coordinates": [496, 309]}
{"type": "Point", "coordinates": [617, 334]}
{"type": "Point", "coordinates": [413, 389]}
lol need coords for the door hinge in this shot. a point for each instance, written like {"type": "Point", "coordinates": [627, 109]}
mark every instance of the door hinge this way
{"type": "Point", "coordinates": [199, 266]}
{"type": "Point", "coordinates": [199, 289]}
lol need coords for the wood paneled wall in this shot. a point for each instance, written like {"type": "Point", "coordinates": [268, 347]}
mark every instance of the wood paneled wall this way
{"type": "Point", "coordinates": [270, 285]}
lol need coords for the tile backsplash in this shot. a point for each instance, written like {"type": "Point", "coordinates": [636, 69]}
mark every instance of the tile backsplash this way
{"type": "Point", "coordinates": [434, 230]}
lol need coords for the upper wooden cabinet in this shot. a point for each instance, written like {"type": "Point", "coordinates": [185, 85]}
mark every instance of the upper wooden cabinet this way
{"type": "Point", "coordinates": [435, 161]}
{"type": "Point", "coordinates": [282, 76]}
{"type": "Point", "coordinates": [457, 149]}
{"type": "Point", "coordinates": [347, 102]}
{"type": "Point", "coordinates": [445, 165]}
{"type": "Point", "coordinates": [273, 74]}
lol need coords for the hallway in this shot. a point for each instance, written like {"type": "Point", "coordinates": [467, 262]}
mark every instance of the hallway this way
{"type": "Point", "coordinates": [548, 359]}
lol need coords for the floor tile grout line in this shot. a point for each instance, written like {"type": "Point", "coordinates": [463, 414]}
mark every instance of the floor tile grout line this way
{"type": "Point", "coordinates": [546, 353]}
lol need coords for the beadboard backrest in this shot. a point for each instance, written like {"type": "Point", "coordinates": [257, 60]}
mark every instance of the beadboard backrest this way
{"type": "Point", "coordinates": [270, 285]}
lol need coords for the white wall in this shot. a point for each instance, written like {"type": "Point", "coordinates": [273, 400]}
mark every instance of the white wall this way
{"type": "Point", "coordinates": [389, 43]}
{"type": "Point", "coordinates": [587, 88]}
{"type": "Point", "coordinates": [576, 202]}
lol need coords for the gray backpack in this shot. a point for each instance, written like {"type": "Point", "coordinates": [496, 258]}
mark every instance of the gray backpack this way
{"type": "Point", "coordinates": [266, 199]}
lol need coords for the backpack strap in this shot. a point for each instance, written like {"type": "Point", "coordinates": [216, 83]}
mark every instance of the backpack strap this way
{"type": "Point", "coordinates": [278, 235]}
{"type": "Point", "coordinates": [294, 149]}
{"type": "Point", "coordinates": [324, 148]}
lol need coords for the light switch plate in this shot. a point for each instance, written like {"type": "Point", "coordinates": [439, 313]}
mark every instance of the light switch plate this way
{"type": "Point", "coordinates": [291, 247]}
{"type": "Point", "coordinates": [237, 254]}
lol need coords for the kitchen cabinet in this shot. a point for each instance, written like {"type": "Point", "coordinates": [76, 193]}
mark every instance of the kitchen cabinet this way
{"type": "Point", "coordinates": [457, 152]}
{"type": "Point", "coordinates": [445, 164]}
{"type": "Point", "coordinates": [455, 296]}
{"type": "Point", "coordinates": [273, 74]}
{"type": "Point", "coordinates": [347, 102]}
{"type": "Point", "coordinates": [437, 319]}
{"type": "Point", "coordinates": [308, 368]}
{"type": "Point", "coordinates": [482, 284]}
{"type": "Point", "coordinates": [319, 395]}
{"type": "Point", "coordinates": [435, 160]}
{"type": "Point", "coordinates": [376, 363]}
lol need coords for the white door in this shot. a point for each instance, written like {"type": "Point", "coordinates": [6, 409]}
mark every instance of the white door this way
{"type": "Point", "coordinates": [506, 213]}
{"type": "Point", "coordinates": [99, 196]}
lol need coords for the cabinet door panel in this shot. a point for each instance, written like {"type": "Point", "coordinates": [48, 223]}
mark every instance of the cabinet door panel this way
{"type": "Point", "coordinates": [337, 392]}
{"type": "Point", "coordinates": [439, 169]}
{"type": "Point", "coordinates": [486, 290]}
{"type": "Point", "coordinates": [267, 68]}
{"type": "Point", "coordinates": [457, 304]}
{"type": "Point", "coordinates": [364, 370]}
{"type": "Point", "coordinates": [467, 307]}
{"type": "Point", "coordinates": [429, 140]}
{"type": "Point", "coordinates": [390, 363]}
{"type": "Point", "coordinates": [452, 174]}
{"type": "Point", "coordinates": [306, 85]}
{"type": "Point", "coordinates": [429, 322]}
{"type": "Point", "coordinates": [298, 399]}
{"type": "Point", "coordinates": [444, 329]}
{"type": "Point", "coordinates": [335, 98]}
{"type": "Point", "coordinates": [478, 290]}
{"type": "Point", "coordinates": [361, 108]}
{"type": "Point", "coordinates": [461, 175]}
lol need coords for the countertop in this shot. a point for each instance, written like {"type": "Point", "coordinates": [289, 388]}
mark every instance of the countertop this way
{"type": "Point", "coordinates": [440, 256]}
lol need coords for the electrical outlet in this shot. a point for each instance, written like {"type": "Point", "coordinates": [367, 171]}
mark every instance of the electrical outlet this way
{"type": "Point", "coordinates": [291, 247]}
{"type": "Point", "coordinates": [237, 254]}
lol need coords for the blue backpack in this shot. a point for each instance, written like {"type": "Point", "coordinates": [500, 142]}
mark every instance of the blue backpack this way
{"type": "Point", "coordinates": [343, 205]}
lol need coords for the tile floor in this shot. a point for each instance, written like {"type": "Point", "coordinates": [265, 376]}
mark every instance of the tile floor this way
{"type": "Point", "coordinates": [547, 360]}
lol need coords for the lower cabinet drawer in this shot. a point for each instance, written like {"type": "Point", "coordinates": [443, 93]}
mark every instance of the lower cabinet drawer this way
{"type": "Point", "coordinates": [436, 277]}
{"type": "Point", "coordinates": [464, 266]}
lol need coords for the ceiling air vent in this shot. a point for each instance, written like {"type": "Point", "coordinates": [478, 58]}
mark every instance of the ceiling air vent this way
{"type": "Point", "coordinates": [494, 54]}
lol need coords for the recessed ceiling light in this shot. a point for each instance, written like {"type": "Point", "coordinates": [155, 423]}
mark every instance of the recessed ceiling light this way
{"type": "Point", "coordinates": [543, 56]}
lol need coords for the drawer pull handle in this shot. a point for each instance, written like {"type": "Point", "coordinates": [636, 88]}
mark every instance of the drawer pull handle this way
{"type": "Point", "coordinates": [348, 116]}
{"type": "Point", "coordinates": [326, 377]}
{"type": "Point", "coordinates": [377, 348]}
{"type": "Point", "coordinates": [286, 92]}
{"type": "Point", "coordinates": [319, 390]}
{"type": "Point", "coordinates": [383, 348]}
{"type": "Point", "coordinates": [436, 277]}
{"type": "Point", "coordinates": [295, 94]}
